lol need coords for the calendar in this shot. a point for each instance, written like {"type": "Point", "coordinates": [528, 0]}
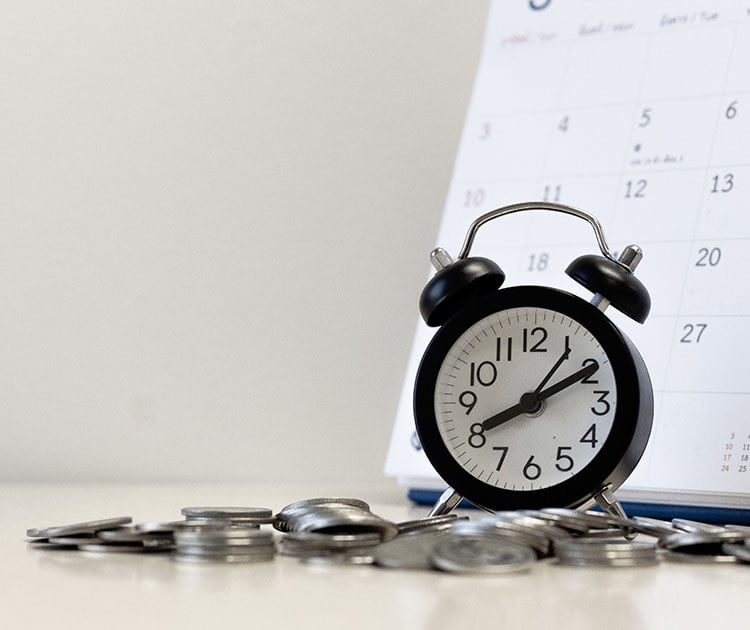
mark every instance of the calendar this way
{"type": "Point", "coordinates": [638, 112]}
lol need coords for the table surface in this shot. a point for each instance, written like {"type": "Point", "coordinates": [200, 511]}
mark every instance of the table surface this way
{"type": "Point", "coordinates": [84, 590]}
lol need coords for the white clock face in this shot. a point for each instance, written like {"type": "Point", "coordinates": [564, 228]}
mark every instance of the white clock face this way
{"type": "Point", "coordinates": [525, 399]}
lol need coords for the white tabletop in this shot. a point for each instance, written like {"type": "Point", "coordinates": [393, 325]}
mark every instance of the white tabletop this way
{"type": "Point", "coordinates": [43, 589]}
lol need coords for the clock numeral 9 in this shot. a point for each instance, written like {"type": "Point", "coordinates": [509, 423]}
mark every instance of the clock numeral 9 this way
{"type": "Point", "coordinates": [467, 400]}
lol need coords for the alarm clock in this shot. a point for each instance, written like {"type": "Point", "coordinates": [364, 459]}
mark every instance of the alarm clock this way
{"type": "Point", "coordinates": [530, 397]}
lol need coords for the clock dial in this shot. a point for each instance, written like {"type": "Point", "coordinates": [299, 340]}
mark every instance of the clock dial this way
{"type": "Point", "coordinates": [525, 398]}
{"type": "Point", "coordinates": [530, 397]}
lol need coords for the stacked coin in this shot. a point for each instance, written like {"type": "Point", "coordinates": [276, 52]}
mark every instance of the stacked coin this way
{"type": "Point", "coordinates": [110, 535]}
{"type": "Point", "coordinates": [707, 545]}
{"type": "Point", "coordinates": [322, 548]}
{"type": "Point", "coordinates": [224, 543]}
{"type": "Point", "coordinates": [333, 516]}
{"type": "Point", "coordinates": [250, 516]}
{"type": "Point", "coordinates": [605, 552]}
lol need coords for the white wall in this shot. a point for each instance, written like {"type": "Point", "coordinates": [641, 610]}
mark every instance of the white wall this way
{"type": "Point", "coordinates": [215, 225]}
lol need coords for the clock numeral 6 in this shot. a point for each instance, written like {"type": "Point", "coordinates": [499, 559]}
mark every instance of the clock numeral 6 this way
{"type": "Point", "coordinates": [532, 470]}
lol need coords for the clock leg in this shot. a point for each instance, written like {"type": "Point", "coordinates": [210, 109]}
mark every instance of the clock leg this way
{"type": "Point", "coordinates": [446, 503]}
{"type": "Point", "coordinates": [609, 504]}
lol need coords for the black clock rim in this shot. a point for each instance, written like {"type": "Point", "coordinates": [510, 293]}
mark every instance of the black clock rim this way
{"type": "Point", "coordinates": [623, 446]}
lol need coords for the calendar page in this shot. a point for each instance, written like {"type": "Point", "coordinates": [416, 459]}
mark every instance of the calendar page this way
{"type": "Point", "coordinates": [638, 112]}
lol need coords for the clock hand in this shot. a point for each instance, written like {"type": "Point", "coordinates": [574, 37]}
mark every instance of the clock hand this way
{"type": "Point", "coordinates": [531, 401]}
{"type": "Point", "coordinates": [559, 362]}
{"type": "Point", "coordinates": [574, 378]}
{"type": "Point", "coordinates": [503, 417]}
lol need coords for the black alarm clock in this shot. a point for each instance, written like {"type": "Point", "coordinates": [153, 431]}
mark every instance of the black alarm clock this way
{"type": "Point", "coordinates": [530, 397]}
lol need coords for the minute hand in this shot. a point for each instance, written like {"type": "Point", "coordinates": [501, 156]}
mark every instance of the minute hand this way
{"type": "Point", "coordinates": [568, 381]}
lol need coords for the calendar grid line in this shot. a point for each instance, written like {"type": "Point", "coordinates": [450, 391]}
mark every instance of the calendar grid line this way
{"type": "Point", "coordinates": [490, 115]}
{"type": "Point", "coordinates": [602, 174]}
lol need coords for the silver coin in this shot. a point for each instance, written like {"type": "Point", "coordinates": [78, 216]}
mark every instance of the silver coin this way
{"type": "Point", "coordinates": [341, 520]}
{"type": "Point", "coordinates": [696, 527]}
{"type": "Point", "coordinates": [224, 558]}
{"type": "Point", "coordinates": [170, 527]}
{"type": "Point", "coordinates": [290, 511]}
{"type": "Point", "coordinates": [408, 551]}
{"type": "Point", "coordinates": [258, 515]}
{"type": "Point", "coordinates": [245, 536]}
{"type": "Point", "coordinates": [307, 503]}
{"type": "Point", "coordinates": [708, 542]}
{"type": "Point", "coordinates": [741, 551]}
{"type": "Point", "coordinates": [314, 540]}
{"type": "Point", "coordinates": [529, 522]}
{"type": "Point", "coordinates": [519, 534]}
{"type": "Point", "coordinates": [691, 557]}
{"type": "Point", "coordinates": [79, 539]}
{"type": "Point", "coordinates": [564, 521]}
{"type": "Point", "coordinates": [85, 527]}
{"type": "Point", "coordinates": [742, 529]}
{"type": "Point", "coordinates": [222, 550]}
{"type": "Point", "coordinates": [348, 558]}
{"type": "Point", "coordinates": [111, 547]}
{"type": "Point", "coordinates": [481, 553]}
{"type": "Point", "coordinates": [653, 526]}
{"type": "Point", "coordinates": [131, 534]}
{"type": "Point", "coordinates": [700, 546]}
{"type": "Point", "coordinates": [44, 543]}
{"type": "Point", "coordinates": [429, 522]}
{"type": "Point", "coordinates": [602, 552]}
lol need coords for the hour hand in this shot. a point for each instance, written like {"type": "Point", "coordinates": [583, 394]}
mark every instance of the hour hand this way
{"type": "Point", "coordinates": [503, 417]}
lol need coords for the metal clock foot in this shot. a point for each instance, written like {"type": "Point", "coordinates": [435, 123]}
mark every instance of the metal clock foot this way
{"type": "Point", "coordinates": [610, 505]}
{"type": "Point", "coordinates": [446, 503]}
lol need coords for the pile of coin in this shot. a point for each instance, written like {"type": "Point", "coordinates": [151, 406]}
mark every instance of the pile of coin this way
{"type": "Point", "coordinates": [346, 531]}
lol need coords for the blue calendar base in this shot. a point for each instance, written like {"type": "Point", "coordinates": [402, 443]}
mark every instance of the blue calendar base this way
{"type": "Point", "coordinates": [654, 510]}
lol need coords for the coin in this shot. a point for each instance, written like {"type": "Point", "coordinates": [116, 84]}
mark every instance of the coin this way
{"type": "Point", "coordinates": [738, 550]}
{"type": "Point", "coordinates": [85, 527]}
{"type": "Point", "coordinates": [481, 553]}
{"type": "Point", "coordinates": [603, 552]}
{"type": "Point", "coordinates": [118, 547]}
{"type": "Point", "coordinates": [429, 522]}
{"type": "Point", "coordinates": [695, 527]}
{"type": "Point", "coordinates": [257, 515]}
{"type": "Point", "coordinates": [408, 551]}
{"type": "Point", "coordinates": [700, 546]}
